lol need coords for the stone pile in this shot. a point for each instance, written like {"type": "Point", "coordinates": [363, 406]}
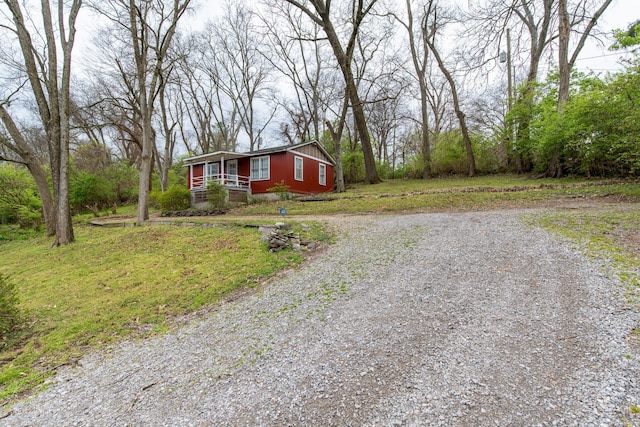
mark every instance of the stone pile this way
{"type": "Point", "coordinates": [280, 236]}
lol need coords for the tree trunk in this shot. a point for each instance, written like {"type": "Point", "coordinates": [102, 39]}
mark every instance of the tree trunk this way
{"type": "Point", "coordinates": [426, 143]}
{"type": "Point", "coordinates": [336, 136]}
{"type": "Point", "coordinates": [471, 163]}
{"type": "Point", "coordinates": [344, 59]}
{"type": "Point", "coordinates": [554, 169]}
{"type": "Point", "coordinates": [146, 171]}
{"type": "Point", "coordinates": [52, 92]}
{"type": "Point", "coordinates": [563, 54]}
{"type": "Point", "coordinates": [420, 69]}
{"type": "Point", "coordinates": [371, 174]}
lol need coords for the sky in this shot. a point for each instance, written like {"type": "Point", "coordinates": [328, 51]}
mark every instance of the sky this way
{"type": "Point", "coordinates": [599, 58]}
{"type": "Point", "coordinates": [594, 57]}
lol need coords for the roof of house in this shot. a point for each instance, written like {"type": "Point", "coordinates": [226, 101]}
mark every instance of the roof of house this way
{"type": "Point", "coordinates": [230, 155]}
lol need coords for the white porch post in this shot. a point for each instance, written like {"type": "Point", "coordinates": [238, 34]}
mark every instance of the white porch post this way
{"type": "Point", "coordinates": [222, 170]}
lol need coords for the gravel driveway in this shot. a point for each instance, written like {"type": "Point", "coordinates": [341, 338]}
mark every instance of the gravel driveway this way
{"type": "Point", "coordinates": [469, 319]}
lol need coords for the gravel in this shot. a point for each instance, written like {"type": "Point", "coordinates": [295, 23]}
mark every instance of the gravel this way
{"type": "Point", "coordinates": [470, 319]}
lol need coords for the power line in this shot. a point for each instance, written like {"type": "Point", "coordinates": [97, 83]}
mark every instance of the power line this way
{"type": "Point", "coordinates": [602, 56]}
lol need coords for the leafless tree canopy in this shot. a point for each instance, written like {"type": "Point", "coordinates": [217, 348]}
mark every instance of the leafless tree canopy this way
{"type": "Point", "coordinates": [165, 78]}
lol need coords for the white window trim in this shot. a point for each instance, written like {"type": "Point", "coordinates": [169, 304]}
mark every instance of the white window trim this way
{"type": "Point", "coordinates": [295, 168]}
{"type": "Point", "coordinates": [259, 160]}
{"type": "Point", "coordinates": [229, 163]}
{"type": "Point", "coordinates": [209, 166]}
{"type": "Point", "coordinates": [322, 178]}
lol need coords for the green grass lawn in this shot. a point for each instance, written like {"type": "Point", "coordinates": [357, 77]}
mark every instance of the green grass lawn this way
{"type": "Point", "coordinates": [481, 193]}
{"type": "Point", "coordinates": [114, 282]}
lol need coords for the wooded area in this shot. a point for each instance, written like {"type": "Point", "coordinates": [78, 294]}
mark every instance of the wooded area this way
{"type": "Point", "coordinates": [391, 89]}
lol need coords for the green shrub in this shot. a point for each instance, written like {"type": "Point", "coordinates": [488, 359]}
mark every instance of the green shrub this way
{"type": "Point", "coordinates": [448, 155]}
{"type": "Point", "coordinates": [216, 194]}
{"type": "Point", "coordinates": [124, 181]}
{"type": "Point", "coordinates": [353, 166]}
{"type": "Point", "coordinates": [19, 200]}
{"type": "Point", "coordinates": [10, 316]}
{"type": "Point", "coordinates": [175, 198]}
{"type": "Point", "coordinates": [281, 189]}
{"type": "Point", "coordinates": [154, 198]}
{"type": "Point", "coordinates": [90, 192]}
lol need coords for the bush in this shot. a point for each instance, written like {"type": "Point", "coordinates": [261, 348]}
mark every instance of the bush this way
{"type": "Point", "coordinates": [353, 166]}
{"type": "Point", "coordinates": [448, 155]}
{"type": "Point", "coordinates": [281, 189]}
{"type": "Point", "coordinates": [90, 192]}
{"type": "Point", "coordinates": [10, 317]}
{"type": "Point", "coordinates": [216, 194]}
{"type": "Point", "coordinates": [175, 198]}
{"type": "Point", "coordinates": [19, 200]}
{"type": "Point", "coordinates": [154, 198]}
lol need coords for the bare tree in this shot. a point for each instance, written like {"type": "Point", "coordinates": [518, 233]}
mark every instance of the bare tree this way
{"type": "Point", "coordinates": [419, 57]}
{"type": "Point", "coordinates": [50, 86]}
{"type": "Point", "coordinates": [241, 71]}
{"type": "Point", "coordinates": [319, 11]}
{"type": "Point", "coordinates": [170, 115]}
{"type": "Point", "coordinates": [439, 98]}
{"type": "Point", "coordinates": [336, 136]}
{"type": "Point", "coordinates": [151, 26]}
{"type": "Point", "coordinates": [579, 18]}
{"type": "Point", "coordinates": [436, 26]}
{"type": "Point", "coordinates": [210, 114]}
{"type": "Point", "coordinates": [299, 53]}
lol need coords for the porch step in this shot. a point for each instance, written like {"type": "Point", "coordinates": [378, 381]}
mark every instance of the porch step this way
{"type": "Point", "coordinates": [237, 196]}
{"type": "Point", "coordinates": [200, 196]}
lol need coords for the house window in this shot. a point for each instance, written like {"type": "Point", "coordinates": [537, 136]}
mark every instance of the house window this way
{"type": "Point", "coordinates": [260, 168]}
{"type": "Point", "coordinates": [297, 162]}
{"type": "Point", "coordinates": [232, 168]}
{"type": "Point", "coordinates": [213, 170]}
{"type": "Point", "coordinates": [323, 174]}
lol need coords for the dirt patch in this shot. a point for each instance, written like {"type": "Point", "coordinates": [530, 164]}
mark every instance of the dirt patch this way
{"type": "Point", "coordinates": [630, 240]}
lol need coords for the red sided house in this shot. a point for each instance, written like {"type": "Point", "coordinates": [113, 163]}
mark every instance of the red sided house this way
{"type": "Point", "coordinates": [305, 168]}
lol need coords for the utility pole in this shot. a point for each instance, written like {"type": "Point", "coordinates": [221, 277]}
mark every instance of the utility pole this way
{"type": "Point", "coordinates": [510, 77]}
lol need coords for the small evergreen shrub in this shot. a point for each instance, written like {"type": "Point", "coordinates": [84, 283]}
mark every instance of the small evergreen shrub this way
{"type": "Point", "coordinates": [175, 198]}
{"type": "Point", "coordinates": [216, 194]}
{"type": "Point", "coordinates": [10, 317]}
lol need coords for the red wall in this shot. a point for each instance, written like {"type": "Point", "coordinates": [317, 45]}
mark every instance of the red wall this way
{"type": "Point", "coordinates": [282, 169]}
{"type": "Point", "coordinates": [244, 167]}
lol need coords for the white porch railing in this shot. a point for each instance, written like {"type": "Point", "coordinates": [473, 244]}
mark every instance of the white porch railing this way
{"type": "Point", "coordinates": [232, 181]}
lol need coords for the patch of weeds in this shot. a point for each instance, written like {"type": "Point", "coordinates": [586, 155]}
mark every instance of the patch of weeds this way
{"type": "Point", "coordinates": [157, 329]}
{"type": "Point", "coordinates": [13, 232]}
{"type": "Point", "coordinates": [634, 409]}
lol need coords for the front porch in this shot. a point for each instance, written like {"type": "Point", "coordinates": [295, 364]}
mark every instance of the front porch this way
{"type": "Point", "coordinates": [238, 188]}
